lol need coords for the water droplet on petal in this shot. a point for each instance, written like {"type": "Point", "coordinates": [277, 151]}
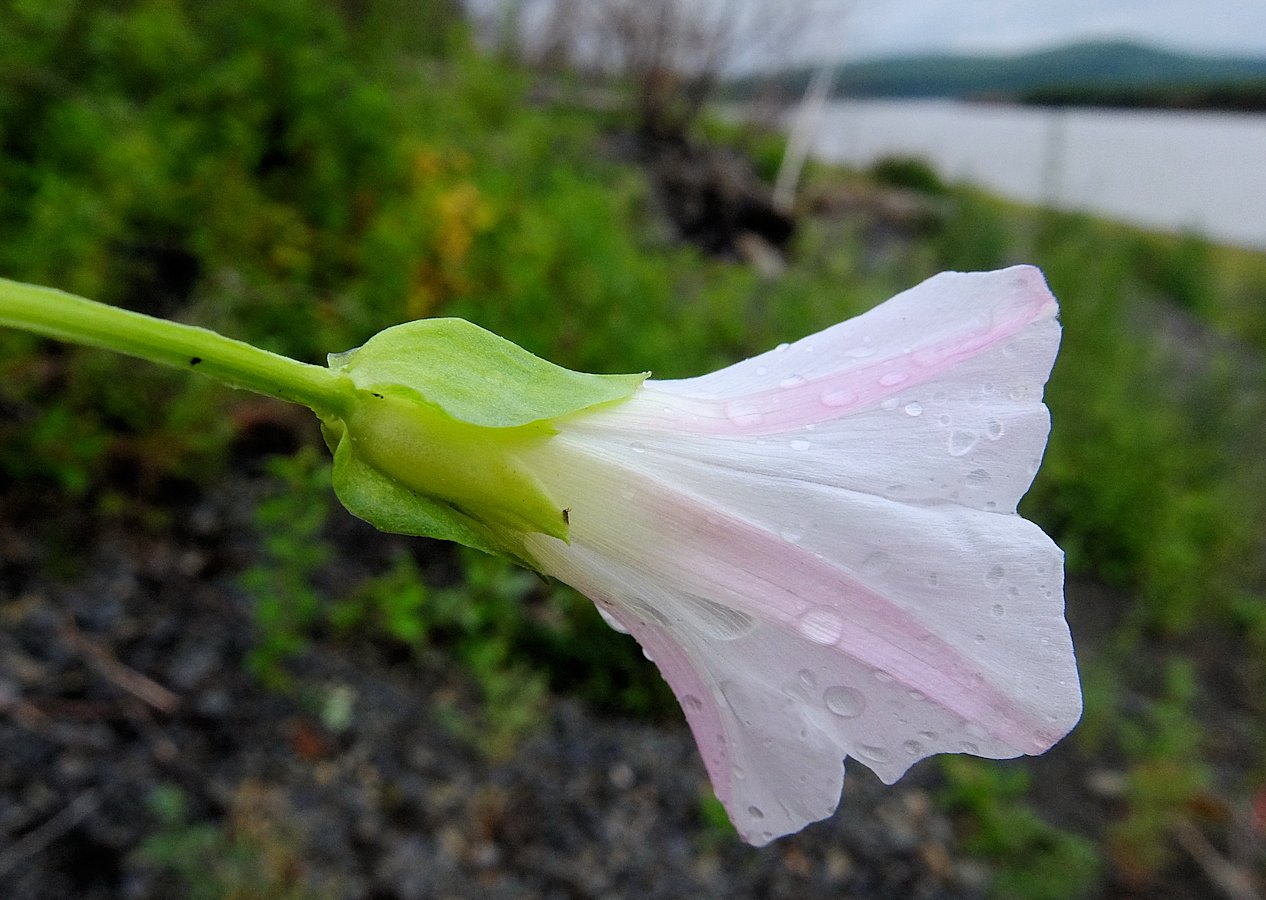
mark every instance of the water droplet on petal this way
{"type": "Point", "coordinates": [791, 382]}
{"type": "Point", "coordinates": [838, 398]}
{"type": "Point", "coordinates": [821, 624]}
{"type": "Point", "coordinates": [914, 748]}
{"type": "Point", "coordinates": [892, 379]}
{"type": "Point", "coordinates": [943, 420]}
{"type": "Point", "coordinates": [998, 611]}
{"type": "Point", "coordinates": [994, 576]}
{"type": "Point", "coordinates": [692, 703]}
{"type": "Point", "coordinates": [800, 445]}
{"type": "Point", "coordinates": [977, 477]}
{"type": "Point", "coordinates": [743, 414]}
{"type": "Point", "coordinates": [637, 447]}
{"type": "Point", "coordinates": [781, 348]}
{"type": "Point", "coordinates": [875, 754]}
{"type": "Point", "coordinates": [715, 620]}
{"type": "Point", "coordinates": [934, 579]}
{"type": "Point", "coordinates": [807, 678]}
{"type": "Point", "coordinates": [762, 371]}
{"type": "Point", "coordinates": [881, 676]}
{"type": "Point", "coordinates": [914, 409]}
{"type": "Point", "coordinates": [791, 532]}
{"type": "Point", "coordinates": [889, 404]}
{"type": "Point", "coordinates": [917, 696]}
{"type": "Point", "coordinates": [962, 441]}
{"type": "Point", "coordinates": [876, 562]}
{"type": "Point", "coordinates": [755, 812]}
{"type": "Point", "coordinates": [994, 429]}
{"type": "Point", "coordinates": [968, 747]}
{"type": "Point", "coordinates": [844, 702]}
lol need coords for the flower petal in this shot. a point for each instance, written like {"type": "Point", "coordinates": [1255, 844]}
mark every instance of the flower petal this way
{"type": "Point", "coordinates": [824, 579]}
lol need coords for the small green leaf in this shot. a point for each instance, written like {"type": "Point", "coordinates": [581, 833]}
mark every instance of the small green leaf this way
{"type": "Point", "coordinates": [474, 376]}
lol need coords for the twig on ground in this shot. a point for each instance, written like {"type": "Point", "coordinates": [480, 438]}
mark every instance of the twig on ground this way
{"type": "Point", "coordinates": [40, 837]}
{"type": "Point", "coordinates": [1232, 881]}
{"type": "Point", "coordinates": [133, 682]}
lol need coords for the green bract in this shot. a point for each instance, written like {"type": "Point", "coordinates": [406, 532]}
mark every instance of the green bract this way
{"type": "Point", "coordinates": [443, 410]}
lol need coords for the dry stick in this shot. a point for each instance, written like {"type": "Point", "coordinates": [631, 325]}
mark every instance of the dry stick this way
{"type": "Point", "coordinates": [139, 686]}
{"type": "Point", "coordinates": [1233, 882]}
{"type": "Point", "coordinates": [38, 838]}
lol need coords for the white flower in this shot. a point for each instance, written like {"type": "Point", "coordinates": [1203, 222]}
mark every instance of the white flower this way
{"type": "Point", "coordinates": [819, 546]}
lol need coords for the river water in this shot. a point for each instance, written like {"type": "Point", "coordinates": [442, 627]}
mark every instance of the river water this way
{"type": "Point", "coordinates": [1174, 171]}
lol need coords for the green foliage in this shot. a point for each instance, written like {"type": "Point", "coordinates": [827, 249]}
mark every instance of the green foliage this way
{"type": "Point", "coordinates": [287, 604]}
{"type": "Point", "coordinates": [908, 172]}
{"type": "Point", "coordinates": [1167, 774]}
{"type": "Point", "coordinates": [1035, 860]}
{"type": "Point", "coordinates": [248, 858]}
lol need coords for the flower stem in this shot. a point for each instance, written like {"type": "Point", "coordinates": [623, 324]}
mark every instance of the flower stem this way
{"type": "Point", "coordinates": [55, 314]}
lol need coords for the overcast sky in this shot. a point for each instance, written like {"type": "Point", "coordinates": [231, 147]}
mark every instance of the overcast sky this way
{"type": "Point", "coordinates": [853, 28]}
{"type": "Point", "coordinates": [831, 30]}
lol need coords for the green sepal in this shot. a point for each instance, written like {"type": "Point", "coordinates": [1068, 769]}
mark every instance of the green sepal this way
{"type": "Point", "coordinates": [389, 506]}
{"type": "Point", "coordinates": [474, 376]}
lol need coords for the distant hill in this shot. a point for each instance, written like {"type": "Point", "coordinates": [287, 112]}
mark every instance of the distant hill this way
{"type": "Point", "coordinates": [1116, 72]}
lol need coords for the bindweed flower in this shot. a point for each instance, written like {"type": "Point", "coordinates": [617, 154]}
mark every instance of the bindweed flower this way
{"type": "Point", "coordinates": [818, 546]}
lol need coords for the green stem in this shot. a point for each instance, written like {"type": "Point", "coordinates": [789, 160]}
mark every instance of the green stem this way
{"type": "Point", "coordinates": [55, 314]}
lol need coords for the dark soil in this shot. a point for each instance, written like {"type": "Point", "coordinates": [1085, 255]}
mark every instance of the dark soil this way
{"type": "Point", "coordinates": [122, 683]}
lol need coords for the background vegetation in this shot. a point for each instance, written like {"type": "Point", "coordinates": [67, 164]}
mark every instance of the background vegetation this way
{"type": "Point", "coordinates": [303, 173]}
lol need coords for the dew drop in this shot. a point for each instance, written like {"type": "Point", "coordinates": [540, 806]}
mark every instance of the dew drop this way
{"type": "Point", "coordinates": [800, 445]}
{"type": "Point", "coordinates": [994, 429]}
{"type": "Point", "coordinates": [998, 611]}
{"type": "Point", "coordinates": [934, 579]}
{"type": "Point", "coordinates": [791, 382]}
{"type": "Point", "coordinates": [889, 404]}
{"type": "Point", "coordinates": [914, 409]}
{"type": "Point", "coordinates": [875, 754]}
{"type": "Point", "coordinates": [980, 639]}
{"type": "Point", "coordinates": [860, 352]}
{"type": "Point", "coordinates": [942, 420]}
{"type": "Point", "coordinates": [968, 747]}
{"type": "Point", "coordinates": [994, 576]}
{"type": "Point", "coordinates": [876, 562]}
{"type": "Point", "coordinates": [637, 448]}
{"type": "Point", "coordinates": [917, 696]}
{"type": "Point", "coordinates": [991, 505]}
{"type": "Point", "coordinates": [821, 624]}
{"type": "Point", "coordinates": [844, 702]}
{"type": "Point", "coordinates": [755, 812]}
{"type": "Point", "coordinates": [762, 371]}
{"type": "Point", "coordinates": [892, 379]}
{"type": "Point", "coordinates": [807, 678]}
{"type": "Point", "coordinates": [838, 398]}
{"type": "Point", "coordinates": [692, 703]}
{"type": "Point", "coordinates": [791, 532]}
{"type": "Point", "coordinates": [977, 477]}
{"type": "Point", "coordinates": [961, 442]}
{"type": "Point", "coordinates": [781, 348]}
{"type": "Point", "coordinates": [881, 676]}
{"type": "Point", "coordinates": [928, 735]}
{"type": "Point", "coordinates": [914, 748]}
{"type": "Point", "coordinates": [743, 414]}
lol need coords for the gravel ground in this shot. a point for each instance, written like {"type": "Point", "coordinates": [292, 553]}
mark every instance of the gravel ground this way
{"type": "Point", "coordinates": [128, 714]}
